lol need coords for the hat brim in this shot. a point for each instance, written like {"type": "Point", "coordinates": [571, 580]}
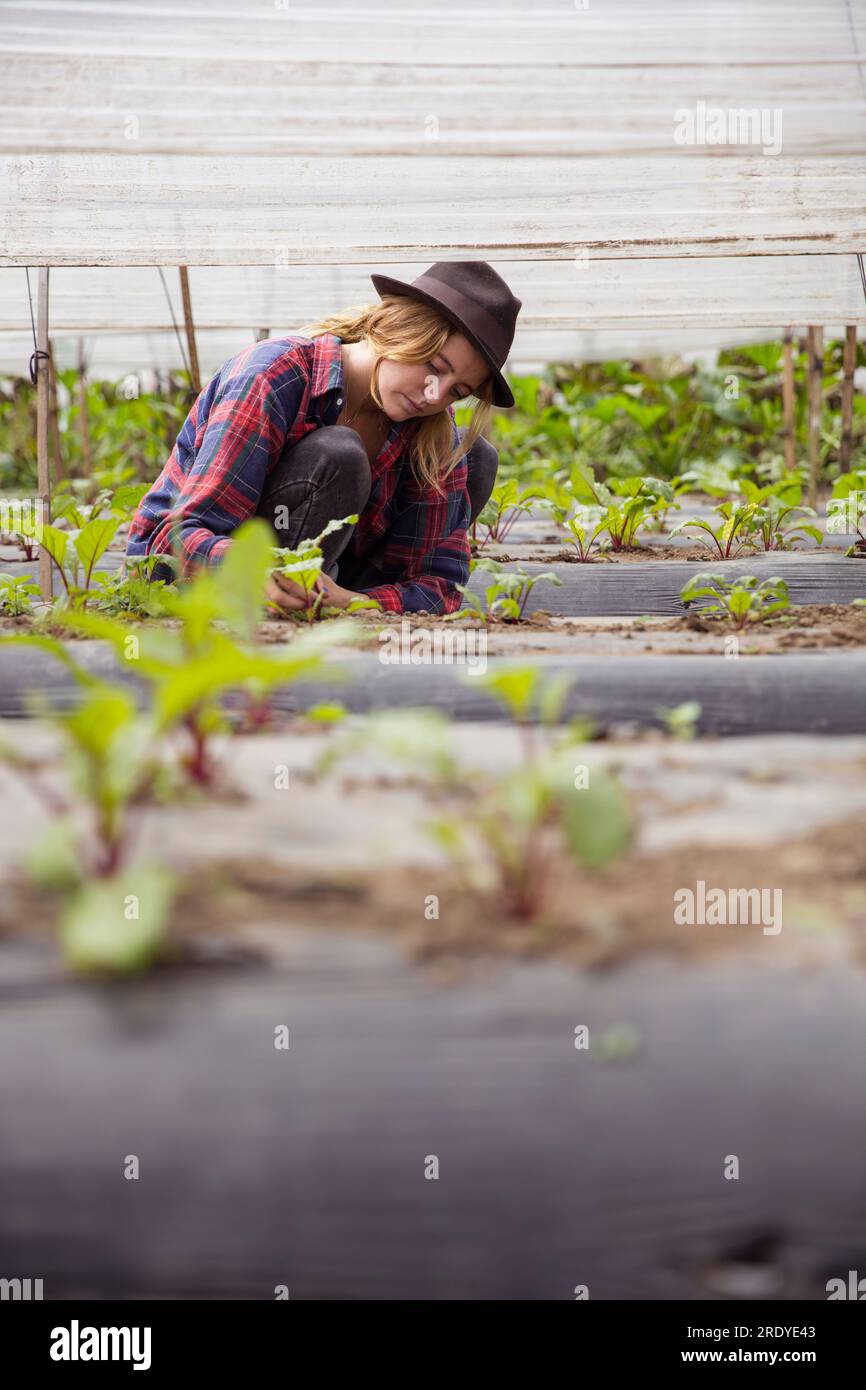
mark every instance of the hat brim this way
{"type": "Point", "coordinates": [385, 284]}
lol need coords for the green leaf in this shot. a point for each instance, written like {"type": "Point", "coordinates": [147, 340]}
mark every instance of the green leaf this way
{"type": "Point", "coordinates": [328, 712]}
{"type": "Point", "coordinates": [93, 541]}
{"type": "Point", "coordinates": [514, 687]}
{"type": "Point", "coordinates": [552, 698]}
{"type": "Point", "coordinates": [241, 576]}
{"type": "Point", "coordinates": [53, 861]}
{"type": "Point", "coordinates": [336, 526]}
{"type": "Point", "coordinates": [118, 924]}
{"type": "Point", "coordinates": [596, 821]}
{"type": "Point", "coordinates": [55, 542]}
{"type": "Point", "coordinates": [125, 499]}
{"type": "Point", "coordinates": [739, 602]}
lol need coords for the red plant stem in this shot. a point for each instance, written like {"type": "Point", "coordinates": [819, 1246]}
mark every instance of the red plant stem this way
{"type": "Point", "coordinates": [198, 762]}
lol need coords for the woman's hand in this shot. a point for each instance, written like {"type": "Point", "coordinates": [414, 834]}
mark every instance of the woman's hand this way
{"type": "Point", "coordinates": [292, 597]}
{"type": "Point", "coordinates": [334, 595]}
{"type": "Point", "coordinates": [287, 594]}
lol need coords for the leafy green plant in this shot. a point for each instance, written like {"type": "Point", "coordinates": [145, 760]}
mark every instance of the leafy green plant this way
{"type": "Point", "coordinates": [504, 832]}
{"type": "Point", "coordinates": [15, 595]}
{"type": "Point", "coordinates": [120, 502]}
{"type": "Point", "coordinates": [627, 504]}
{"type": "Point", "coordinates": [303, 565]}
{"type": "Point", "coordinates": [192, 669]}
{"type": "Point", "coordinates": [114, 911]}
{"type": "Point", "coordinates": [716, 477]}
{"type": "Point", "coordinates": [25, 542]}
{"type": "Point", "coordinates": [507, 596]}
{"type": "Point", "coordinates": [733, 531]}
{"type": "Point", "coordinates": [584, 530]}
{"type": "Point", "coordinates": [129, 591]}
{"type": "Point", "coordinates": [526, 694]}
{"type": "Point", "coordinates": [777, 522]}
{"type": "Point", "coordinates": [75, 554]}
{"type": "Point", "coordinates": [681, 721]}
{"type": "Point", "coordinates": [779, 526]}
{"type": "Point", "coordinates": [744, 600]}
{"type": "Point", "coordinates": [109, 432]}
{"type": "Point", "coordinates": [846, 510]}
{"type": "Point", "coordinates": [79, 535]}
{"type": "Point", "coordinates": [507, 502]}
{"type": "Point", "coordinates": [111, 754]}
{"type": "Point", "coordinates": [508, 843]}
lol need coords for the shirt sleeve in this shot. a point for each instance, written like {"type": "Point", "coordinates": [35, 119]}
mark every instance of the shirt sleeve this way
{"type": "Point", "coordinates": [427, 549]}
{"type": "Point", "coordinates": [245, 433]}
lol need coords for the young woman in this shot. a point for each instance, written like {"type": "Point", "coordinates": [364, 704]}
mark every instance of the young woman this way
{"type": "Point", "coordinates": [351, 414]}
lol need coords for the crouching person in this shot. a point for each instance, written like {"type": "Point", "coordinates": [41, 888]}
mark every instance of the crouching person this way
{"type": "Point", "coordinates": [351, 415]}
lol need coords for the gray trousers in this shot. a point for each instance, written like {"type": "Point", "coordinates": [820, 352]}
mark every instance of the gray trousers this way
{"type": "Point", "coordinates": [326, 475]}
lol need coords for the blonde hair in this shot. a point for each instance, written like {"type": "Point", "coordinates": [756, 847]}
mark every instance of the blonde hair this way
{"type": "Point", "coordinates": [406, 330]}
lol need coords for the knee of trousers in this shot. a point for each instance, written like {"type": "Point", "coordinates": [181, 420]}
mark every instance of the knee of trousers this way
{"type": "Point", "coordinates": [331, 455]}
{"type": "Point", "coordinates": [484, 458]}
{"type": "Point", "coordinates": [346, 454]}
{"type": "Point", "coordinates": [482, 463]}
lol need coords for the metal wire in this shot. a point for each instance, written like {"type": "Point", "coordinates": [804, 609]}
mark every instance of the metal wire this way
{"type": "Point", "coordinates": [174, 322]}
{"type": "Point", "coordinates": [37, 351]}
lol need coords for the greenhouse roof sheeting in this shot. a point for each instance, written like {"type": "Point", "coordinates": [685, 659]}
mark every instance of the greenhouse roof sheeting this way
{"type": "Point", "coordinates": [628, 167]}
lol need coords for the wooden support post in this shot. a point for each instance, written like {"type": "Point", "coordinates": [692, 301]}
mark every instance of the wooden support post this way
{"type": "Point", "coordinates": [53, 415]}
{"type": "Point", "coordinates": [815, 394]}
{"type": "Point", "coordinates": [789, 427]}
{"type": "Point", "coordinates": [195, 376]}
{"type": "Point", "coordinates": [849, 358]}
{"type": "Point", "coordinates": [43, 476]}
{"type": "Point", "coordinates": [83, 417]}
{"type": "Point", "coordinates": [262, 334]}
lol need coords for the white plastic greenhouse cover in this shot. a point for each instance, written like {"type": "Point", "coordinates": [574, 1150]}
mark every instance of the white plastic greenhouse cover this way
{"type": "Point", "coordinates": [311, 144]}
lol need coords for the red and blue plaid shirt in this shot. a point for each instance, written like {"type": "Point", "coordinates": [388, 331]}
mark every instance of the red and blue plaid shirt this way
{"type": "Point", "coordinates": [257, 405]}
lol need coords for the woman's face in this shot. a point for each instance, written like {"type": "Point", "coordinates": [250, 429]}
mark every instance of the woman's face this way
{"type": "Point", "coordinates": [425, 388]}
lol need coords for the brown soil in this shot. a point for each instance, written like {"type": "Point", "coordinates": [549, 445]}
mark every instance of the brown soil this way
{"type": "Point", "coordinates": [811, 625]}
{"type": "Point", "coordinates": [696, 554]}
{"type": "Point", "coordinates": [602, 919]}
{"type": "Point", "coordinates": [239, 911]}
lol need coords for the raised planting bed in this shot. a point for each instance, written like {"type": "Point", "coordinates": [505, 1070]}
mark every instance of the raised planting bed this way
{"type": "Point", "coordinates": [796, 693]}
{"type": "Point", "coordinates": [654, 587]}
{"type": "Point", "coordinates": [559, 1166]}
{"type": "Point", "coordinates": [306, 1168]}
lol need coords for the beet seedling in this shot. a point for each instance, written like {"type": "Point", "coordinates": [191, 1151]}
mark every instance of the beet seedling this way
{"type": "Point", "coordinates": [627, 503]}
{"type": "Point", "coordinates": [74, 552]}
{"type": "Point", "coordinates": [15, 595]}
{"type": "Point", "coordinates": [778, 525]}
{"type": "Point", "coordinates": [111, 757]}
{"type": "Point", "coordinates": [584, 530]}
{"type": "Point", "coordinates": [846, 510]}
{"type": "Point", "coordinates": [191, 670]}
{"type": "Point", "coordinates": [304, 565]}
{"type": "Point", "coordinates": [507, 596]}
{"type": "Point", "coordinates": [114, 911]}
{"type": "Point", "coordinates": [744, 600]}
{"type": "Point", "coordinates": [777, 519]}
{"type": "Point", "coordinates": [681, 721]}
{"type": "Point", "coordinates": [507, 844]}
{"type": "Point", "coordinates": [131, 592]}
{"type": "Point", "coordinates": [733, 532]}
{"type": "Point", "coordinates": [506, 503]}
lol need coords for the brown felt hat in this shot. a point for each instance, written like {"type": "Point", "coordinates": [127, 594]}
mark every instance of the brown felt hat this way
{"type": "Point", "coordinates": [472, 296]}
